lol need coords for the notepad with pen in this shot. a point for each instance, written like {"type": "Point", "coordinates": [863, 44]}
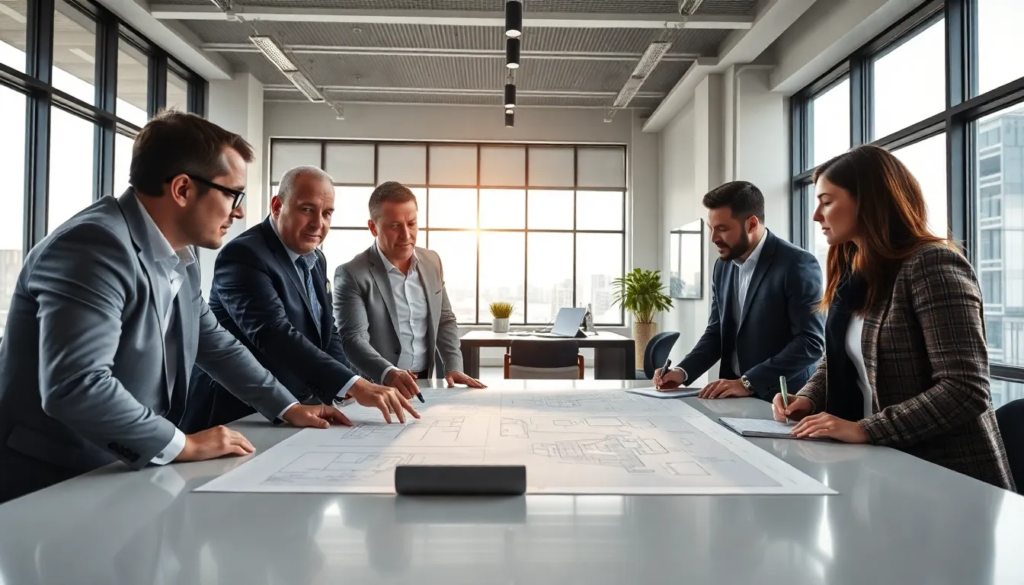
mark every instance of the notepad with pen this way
{"type": "Point", "coordinates": [759, 427]}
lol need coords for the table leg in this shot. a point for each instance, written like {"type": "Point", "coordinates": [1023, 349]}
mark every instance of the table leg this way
{"type": "Point", "coordinates": [471, 360]}
{"type": "Point", "coordinates": [614, 363]}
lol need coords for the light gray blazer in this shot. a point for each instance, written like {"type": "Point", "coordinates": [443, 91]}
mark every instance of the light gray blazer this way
{"type": "Point", "coordinates": [364, 310]}
{"type": "Point", "coordinates": [82, 364]}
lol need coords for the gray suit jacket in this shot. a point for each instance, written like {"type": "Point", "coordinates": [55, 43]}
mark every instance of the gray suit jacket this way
{"type": "Point", "coordinates": [83, 378]}
{"type": "Point", "coordinates": [364, 311]}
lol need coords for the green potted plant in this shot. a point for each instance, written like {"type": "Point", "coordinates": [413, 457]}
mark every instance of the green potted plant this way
{"type": "Point", "coordinates": [641, 293]}
{"type": "Point", "coordinates": [500, 313]}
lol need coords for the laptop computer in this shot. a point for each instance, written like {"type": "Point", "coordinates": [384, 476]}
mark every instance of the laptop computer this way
{"type": "Point", "coordinates": [567, 323]}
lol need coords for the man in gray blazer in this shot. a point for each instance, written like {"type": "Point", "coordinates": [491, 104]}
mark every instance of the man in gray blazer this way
{"type": "Point", "coordinates": [107, 321]}
{"type": "Point", "coordinates": [390, 304]}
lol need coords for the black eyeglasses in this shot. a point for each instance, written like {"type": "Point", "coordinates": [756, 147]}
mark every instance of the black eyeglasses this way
{"type": "Point", "coordinates": [238, 195]}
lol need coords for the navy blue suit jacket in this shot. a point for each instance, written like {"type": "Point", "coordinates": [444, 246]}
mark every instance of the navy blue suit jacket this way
{"type": "Point", "coordinates": [258, 296]}
{"type": "Point", "coordinates": [781, 332]}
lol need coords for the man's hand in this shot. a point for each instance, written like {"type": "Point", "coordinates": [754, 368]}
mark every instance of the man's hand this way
{"type": "Point", "coordinates": [799, 407]}
{"type": "Point", "coordinates": [403, 381]}
{"type": "Point", "coordinates": [454, 377]}
{"type": "Point", "coordinates": [214, 443]}
{"type": "Point", "coordinates": [668, 381]}
{"type": "Point", "coordinates": [724, 389]}
{"type": "Point", "coordinates": [387, 400]}
{"type": "Point", "coordinates": [318, 416]}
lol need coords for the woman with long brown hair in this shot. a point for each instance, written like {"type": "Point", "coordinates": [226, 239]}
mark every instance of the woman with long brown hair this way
{"type": "Point", "coordinates": [905, 358]}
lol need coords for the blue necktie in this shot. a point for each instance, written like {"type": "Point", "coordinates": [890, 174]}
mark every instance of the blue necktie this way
{"type": "Point", "coordinates": [305, 264]}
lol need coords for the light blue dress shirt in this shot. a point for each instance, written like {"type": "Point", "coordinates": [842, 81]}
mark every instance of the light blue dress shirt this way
{"type": "Point", "coordinates": [413, 313]}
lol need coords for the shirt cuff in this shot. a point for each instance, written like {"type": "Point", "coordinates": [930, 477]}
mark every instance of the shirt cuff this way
{"type": "Point", "coordinates": [684, 374]}
{"type": "Point", "coordinates": [281, 414]}
{"type": "Point", "coordinates": [384, 376]}
{"type": "Point", "coordinates": [344, 389]}
{"type": "Point", "coordinates": [172, 450]}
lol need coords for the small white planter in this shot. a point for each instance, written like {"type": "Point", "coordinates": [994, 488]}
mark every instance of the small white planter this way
{"type": "Point", "coordinates": [499, 325]}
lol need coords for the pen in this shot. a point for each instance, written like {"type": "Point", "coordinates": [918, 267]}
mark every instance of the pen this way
{"type": "Point", "coordinates": [785, 395]}
{"type": "Point", "coordinates": [420, 396]}
{"type": "Point", "coordinates": [664, 369]}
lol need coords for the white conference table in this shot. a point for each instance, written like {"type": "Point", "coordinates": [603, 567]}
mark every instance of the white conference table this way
{"type": "Point", "coordinates": [896, 520]}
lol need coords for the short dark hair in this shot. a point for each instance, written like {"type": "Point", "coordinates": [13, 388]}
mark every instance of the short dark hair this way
{"type": "Point", "coordinates": [176, 143]}
{"type": "Point", "coordinates": [742, 198]}
{"type": "Point", "coordinates": [389, 191]}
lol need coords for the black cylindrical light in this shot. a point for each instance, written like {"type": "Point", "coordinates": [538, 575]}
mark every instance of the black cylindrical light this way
{"type": "Point", "coordinates": [512, 53]}
{"type": "Point", "coordinates": [513, 18]}
{"type": "Point", "coordinates": [510, 120]}
{"type": "Point", "coordinates": [510, 95]}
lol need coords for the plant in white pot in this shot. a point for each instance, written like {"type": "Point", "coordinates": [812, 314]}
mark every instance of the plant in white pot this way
{"type": "Point", "coordinates": [641, 293]}
{"type": "Point", "coordinates": [500, 313]}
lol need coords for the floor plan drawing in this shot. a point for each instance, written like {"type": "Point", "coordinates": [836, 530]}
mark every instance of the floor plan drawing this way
{"type": "Point", "coordinates": [575, 442]}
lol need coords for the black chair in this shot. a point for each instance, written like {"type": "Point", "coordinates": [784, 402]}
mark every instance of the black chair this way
{"type": "Point", "coordinates": [529, 359]}
{"type": "Point", "coordinates": [656, 353]}
{"type": "Point", "coordinates": [1010, 418]}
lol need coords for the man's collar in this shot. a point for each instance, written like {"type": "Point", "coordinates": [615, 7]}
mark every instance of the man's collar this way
{"type": "Point", "coordinates": [756, 254]}
{"type": "Point", "coordinates": [160, 248]}
{"type": "Point", "coordinates": [291, 254]}
{"type": "Point", "coordinates": [388, 266]}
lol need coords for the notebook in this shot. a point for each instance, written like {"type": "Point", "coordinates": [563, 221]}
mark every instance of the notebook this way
{"type": "Point", "coordinates": [655, 393]}
{"type": "Point", "coordinates": [759, 427]}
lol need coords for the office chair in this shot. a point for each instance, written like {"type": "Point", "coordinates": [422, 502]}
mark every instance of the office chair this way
{"type": "Point", "coordinates": [547, 359]}
{"type": "Point", "coordinates": [1010, 418]}
{"type": "Point", "coordinates": [656, 353]}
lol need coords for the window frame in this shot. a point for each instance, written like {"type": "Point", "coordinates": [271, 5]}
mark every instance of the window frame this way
{"type": "Point", "coordinates": [479, 186]}
{"type": "Point", "coordinates": [36, 84]}
{"type": "Point", "coordinates": [957, 121]}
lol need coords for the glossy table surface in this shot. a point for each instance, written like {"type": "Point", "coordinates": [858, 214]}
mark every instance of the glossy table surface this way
{"type": "Point", "coordinates": [896, 520]}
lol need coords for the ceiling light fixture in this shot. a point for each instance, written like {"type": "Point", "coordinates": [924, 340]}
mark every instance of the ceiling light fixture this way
{"type": "Point", "coordinates": [509, 111]}
{"type": "Point", "coordinates": [652, 56]}
{"type": "Point", "coordinates": [513, 18]}
{"type": "Point", "coordinates": [688, 7]}
{"type": "Point", "coordinates": [272, 51]}
{"type": "Point", "coordinates": [512, 53]}
{"type": "Point", "coordinates": [510, 95]}
{"type": "Point", "coordinates": [303, 84]}
{"type": "Point", "coordinates": [510, 120]}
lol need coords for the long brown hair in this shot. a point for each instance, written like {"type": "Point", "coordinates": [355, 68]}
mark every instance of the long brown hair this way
{"type": "Point", "coordinates": [892, 219]}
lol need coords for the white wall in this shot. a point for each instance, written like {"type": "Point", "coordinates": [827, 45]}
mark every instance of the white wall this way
{"type": "Point", "coordinates": [237, 106]}
{"type": "Point", "coordinates": [487, 124]}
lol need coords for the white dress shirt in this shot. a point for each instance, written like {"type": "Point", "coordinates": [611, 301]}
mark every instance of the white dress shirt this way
{"type": "Point", "coordinates": [854, 334]}
{"type": "Point", "coordinates": [171, 269]}
{"type": "Point", "coordinates": [744, 274]}
{"type": "Point", "coordinates": [413, 313]}
{"type": "Point", "coordinates": [292, 256]}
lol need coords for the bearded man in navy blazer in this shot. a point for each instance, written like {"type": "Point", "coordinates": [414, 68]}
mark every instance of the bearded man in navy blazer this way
{"type": "Point", "coordinates": [270, 291]}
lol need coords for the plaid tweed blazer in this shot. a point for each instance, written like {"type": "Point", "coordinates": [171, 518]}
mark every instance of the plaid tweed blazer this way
{"type": "Point", "coordinates": [927, 364]}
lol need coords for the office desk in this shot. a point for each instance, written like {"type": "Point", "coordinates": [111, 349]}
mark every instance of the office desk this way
{"type": "Point", "coordinates": [613, 353]}
{"type": "Point", "coordinates": [897, 521]}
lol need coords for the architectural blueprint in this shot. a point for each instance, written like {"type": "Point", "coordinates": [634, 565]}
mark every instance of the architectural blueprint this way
{"type": "Point", "coordinates": [572, 442]}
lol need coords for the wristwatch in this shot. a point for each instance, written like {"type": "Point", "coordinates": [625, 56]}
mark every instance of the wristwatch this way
{"type": "Point", "coordinates": [746, 384]}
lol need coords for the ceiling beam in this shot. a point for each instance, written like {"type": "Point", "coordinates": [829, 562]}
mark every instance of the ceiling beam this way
{"type": "Point", "coordinates": [446, 91]}
{"type": "Point", "coordinates": [435, 52]}
{"type": "Point", "coordinates": [451, 17]}
{"type": "Point", "coordinates": [773, 19]}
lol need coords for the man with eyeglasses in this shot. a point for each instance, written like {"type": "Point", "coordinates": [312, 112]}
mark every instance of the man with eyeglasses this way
{"type": "Point", "coordinates": [270, 291]}
{"type": "Point", "coordinates": [107, 321]}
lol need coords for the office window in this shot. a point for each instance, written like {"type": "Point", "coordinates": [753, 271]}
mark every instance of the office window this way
{"type": "Point", "coordinates": [1014, 343]}
{"type": "Point", "coordinates": [122, 163]}
{"type": "Point", "coordinates": [71, 167]}
{"type": "Point", "coordinates": [828, 115]}
{"type": "Point", "coordinates": [74, 52]}
{"type": "Point", "coordinates": [819, 245]}
{"type": "Point", "coordinates": [994, 331]}
{"type": "Point", "coordinates": [990, 165]}
{"type": "Point", "coordinates": [992, 287]}
{"type": "Point", "coordinates": [991, 244]}
{"type": "Point", "coordinates": [910, 81]}
{"type": "Point", "coordinates": [990, 201]}
{"type": "Point", "coordinates": [999, 42]}
{"type": "Point", "coordinates": [1004, 391]}
{"type": "Point", "coordinates": [925, 160]}
{"type": "Point", "coordinates": [541, 227]}
{"type": "Point", "coordinates": [13, 23]}
{"type": "Point", "coordinates": [12, 169]}
{"type": "Point", "coordinates": [177, 92]}
{"type": "Point", "coordinates": [132, 83]}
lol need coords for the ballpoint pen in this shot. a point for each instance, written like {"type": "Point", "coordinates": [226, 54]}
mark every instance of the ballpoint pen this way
{"type": "Point", "coordinates": [785, 395]}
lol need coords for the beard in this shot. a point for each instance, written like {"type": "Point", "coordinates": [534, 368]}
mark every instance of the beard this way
{"type": "Point", "coordinates": [737, 250]}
